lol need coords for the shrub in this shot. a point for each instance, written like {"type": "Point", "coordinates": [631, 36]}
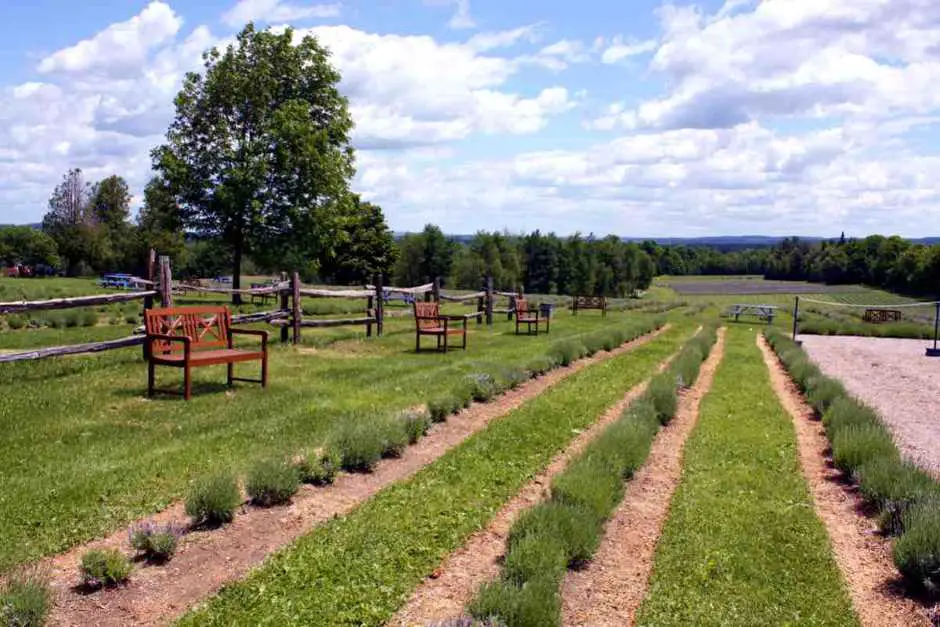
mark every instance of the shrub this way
{"type": "Point", "coordinates": [822, 392]}
{"type": "Point", "coordinates": [72, 318]}
{"type": "Point", "coordinates": [917, 551]}
{"type": "Point", "coordinates": [858, 445]}
{"type": "Point", "coordinates": [686, 367]}
{"type": "Point", "coordinates": [212, 500]}
{"type": "Point", "coordinates": [536, 604]}
{"type": "Point", "coordinates": [416, 425]}
{"type": "Point", "coordinates": [540, 365]}
{"type": "Point", "coordinates": [16, 322]}
{"type": "Point", "coordinates": [24, 601]}
{"type": "Point", "coordinates": [662, 394]}
{"type": "Point", "coordinates": [156, 542]}
{"type": "Point", "coordinates": [534, 557]}
{"type": "Point", "coordinates": [847, 412]}
{"type": "Point", "coordinates": [592, 483]}
{"type": "Point", "coordinates": [394, 435]}
{"type": "Point", "coordinates": [482, 387]}
{"type": "Point", "coordinates": [894, 486]}
{"type": "Point", "coordinates": [319, 469]}
{"type": "Point", "coordinates": [575, 529]}
{"type": "Point", "coordinates": [271, 482]}
{"type": "Point", "coordinates": [360, 445]}
{"type": "Point", "coordinates": [566, 351]}
{"type": "Point", "coordinates": [104, 568]}
{"type": "Point", "coordinates": [88, 318]}
{"type": "Point", "coordinates": [441, 407]}
{"type": "Point", "coordinates": [511, 378]}
{"type": "Point", "coordinates": [131, 318]}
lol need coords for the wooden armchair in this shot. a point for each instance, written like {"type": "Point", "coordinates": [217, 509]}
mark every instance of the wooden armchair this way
{"type": "Point", "coordinates": [429, 321]}
{"type": "Point", "coordinates": [529, 317]}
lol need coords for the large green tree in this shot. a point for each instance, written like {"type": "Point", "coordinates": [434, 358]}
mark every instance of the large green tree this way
{"type": "Point", "coordinates": [110, 208]}
{"type": "Point", "coordinates": [71, 223]}
{"type": "Point", "coordinates": [258, 153]}
{"type": "Point", "coordinates": [24, 244]}
{"type": "Point", "coordinates": [364, 245]}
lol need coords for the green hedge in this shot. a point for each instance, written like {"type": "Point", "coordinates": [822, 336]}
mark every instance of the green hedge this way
{"type": "Point", "coordinates": [906, 497]}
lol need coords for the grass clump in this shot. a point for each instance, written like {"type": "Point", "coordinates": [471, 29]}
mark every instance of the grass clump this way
{"type": "Point", "coordinates": [104, 568]}
{"type": "Point", "coordinates": [157, 543]}
{"type": "Point", "coordinates": [416, 425]}
{"type": "Point", "coordinates": [441, 407]}
{"type": "Point", "coordinates": [662, 395]}
{"type": "Point", "coordinates": [319, 468]}
{"type": "Point", "coordinates": [855, 446]}
{"type": "Point", "coordinates": [917, 551]}
{"type": "Point", "coordinates": [16, 322]}
{"type": "Point", "coordinates": [212, 500]}
{"type": "Point", "coordinates": [271, 482]}
{"type": "Point", "coordinates": [25, 601]}
{"type": "Point", "coordinates": [564, 352]}
{"type": "Point", "coordinates": [358, 444]}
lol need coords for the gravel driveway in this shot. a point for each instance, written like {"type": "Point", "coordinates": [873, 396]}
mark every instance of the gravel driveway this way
{"type": "Point", "coordinates": [895, 378]}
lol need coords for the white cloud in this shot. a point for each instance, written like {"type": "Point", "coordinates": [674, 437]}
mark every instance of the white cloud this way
{"type": "Point", "coordinates": [486, 41]}
{"type": "Point", "coordinates": [120, 48]}
{"type": "Point", "coordinates": [620, 49]}
{"type": "Point", "coordinates": [461, 19]}
{"type": "Point", "coordinates": [276, 11]}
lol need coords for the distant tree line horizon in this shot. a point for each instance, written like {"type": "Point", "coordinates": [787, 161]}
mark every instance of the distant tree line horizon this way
{"type": "Point", "coordinates": [253, 178]}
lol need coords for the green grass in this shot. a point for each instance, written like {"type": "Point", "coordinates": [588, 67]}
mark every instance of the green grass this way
{"type": "Point", "coordinates": [742, 545]}
{"type": "Point", "coordinates": [82, 452]}
{"type": "Point", "coordinates": [359, 569]}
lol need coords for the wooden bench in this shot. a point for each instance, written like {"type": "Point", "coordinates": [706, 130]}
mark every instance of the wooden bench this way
{"type": "Point", "coordinates": [429, 321]}
{"type": "Point", "coordinates": [529, 317]}
{"type": "Point", "coordinates": [762, 312]}
{"type": "Point", "coordinates": [190, 337]}
{"type": "Point", "coordinates": [878, 316]}
{"type": "Point", "coordinates": [589, 302]}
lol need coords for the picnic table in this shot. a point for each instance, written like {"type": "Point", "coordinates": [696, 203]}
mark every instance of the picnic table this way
{"type": "Point", "coordinates": [762, 312]}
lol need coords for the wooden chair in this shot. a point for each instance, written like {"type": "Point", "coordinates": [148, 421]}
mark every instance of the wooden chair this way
{"type": "Point", "coordinates": [529, 317]}
{"type": "Point", "coordinates": [429, 321]}
{"type": "Point", "coordinates": [190, 337]}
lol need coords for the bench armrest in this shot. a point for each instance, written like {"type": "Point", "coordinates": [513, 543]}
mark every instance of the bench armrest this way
{"type": "Point", "coordinates": [255, 332]}
{"type": "Point", "coordinates": [185, 339]}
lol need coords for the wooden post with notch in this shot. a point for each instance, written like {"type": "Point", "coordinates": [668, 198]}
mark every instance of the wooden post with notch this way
{"type": "Point", "coordinates": [296, 311]}
{"type": "Point", "coordinates": [436, 290]}
{"type": "Point", "coordinates": [489, 301]}
{"type": "Point", "coordinates": [166, 282]}
{"type": "Point", "coordinates": [379, 305]}
{"type": "Point", "coordinates": [148, 300]}
{"type": "Point", "coordinates": [285, 306]}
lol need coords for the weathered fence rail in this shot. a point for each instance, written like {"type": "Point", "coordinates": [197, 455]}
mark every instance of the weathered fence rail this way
{"type": "Point", "coordinates": [74, 349]}
{"type": "Point", "coordinates": [73, 302]}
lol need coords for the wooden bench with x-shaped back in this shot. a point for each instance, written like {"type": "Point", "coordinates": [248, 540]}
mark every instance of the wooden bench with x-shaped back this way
{"type": "Point", "coordinates": [190, 337]}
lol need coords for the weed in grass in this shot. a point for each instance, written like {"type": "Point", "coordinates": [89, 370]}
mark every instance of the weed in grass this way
{"type": "Point", "coordinates": [534, 557]}
{"type": "Point", "coordinates": [359, 444]}
{"type": "Point", "coordinates": [536, 604]}
{"type": "Point", "coordinates": [320, 468]}
{"type": "Point", "coordinates": [662, 394]}
{"type": "Point", "coordinates": [858, 445]}
{"type": "Point", "coordinates": [917, 551]}
{"type": "Point", "coordinates": [25, 600]}
{"type": "Point", "coordinates": [157, 543]}
{"type": "Point", "coordinates": [893, 486]}
{"type": "Point", "coordinates": [416, 425]}
{"type": "Point", "coordinates": [574, 528]}
{"type": "Point", "coordinates": [212, 500]}
{"type": "Point", "coordinates": [104, 568]}
{"type": "Point", "coordinates": [271, 482]}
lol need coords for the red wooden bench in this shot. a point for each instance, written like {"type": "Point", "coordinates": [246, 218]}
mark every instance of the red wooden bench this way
{"type": "Point", "coordinates": [429, 321]}
{"type": "Point", "coordinates": [529, 317]}
{"type": "Point", "coordinates": [190, 337]}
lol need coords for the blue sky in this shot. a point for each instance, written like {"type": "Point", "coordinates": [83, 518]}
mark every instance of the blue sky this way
{"type": "Point", "coordinates": [639, 118]}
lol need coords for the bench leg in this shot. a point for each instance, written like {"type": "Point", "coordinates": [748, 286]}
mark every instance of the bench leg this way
{"type": "Point", "coordinates": [187, 382]}
{"type": "Point", "coordinates": [417, 342]}
{"type": "Point", "coordinates": [151, 377]}
{"type": "Point", "coordinates": [464, 339]}
{"type": "Point", "coordinates": [445, 342]}
{"type": "Point", "coordinates": [264, 370]}
{"type": "Point", "coordinates": [230, 369]}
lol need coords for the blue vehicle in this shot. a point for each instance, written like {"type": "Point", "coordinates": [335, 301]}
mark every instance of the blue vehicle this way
{"type": "Point", "coordinates": [118, 281]}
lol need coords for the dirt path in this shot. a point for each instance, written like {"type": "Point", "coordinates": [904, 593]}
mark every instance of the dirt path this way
{"type": "Point", "coordinates": [448, 591]}
{"type": "Point", "coordinates": [896, 378]}
{"type": "Point", "coordinates": [207, 560]}
{"type": "Point", "coordinates": [863, 556]}
{"type": "Point", "coordinates": [612, 587]}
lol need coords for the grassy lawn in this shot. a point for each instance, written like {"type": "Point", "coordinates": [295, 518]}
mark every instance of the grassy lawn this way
{"type": "Point", "coordinates": [82, 452]}
{"type": "Point", "coordinates": [742, 545]}
{"type": "Point", "coordinates": [357, 570]}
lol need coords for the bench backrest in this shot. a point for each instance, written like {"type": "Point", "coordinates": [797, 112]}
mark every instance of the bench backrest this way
{"type": "Point", "coordinates": [427, 314]}
{"type": "Point", "coordinates": [590, 302]}
{"type": "Point", "coordinates": [206, 326]}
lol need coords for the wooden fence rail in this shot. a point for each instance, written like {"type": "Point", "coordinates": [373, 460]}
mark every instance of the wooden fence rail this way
{"type": "Point", "coordinates": [70, 303]}
{"type": "Point", "coordinates": [75, 349]}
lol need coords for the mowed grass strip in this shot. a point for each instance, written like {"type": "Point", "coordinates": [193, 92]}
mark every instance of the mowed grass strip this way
{"type": "Point", "coordinates": [83, 452]}
{"type": "Point", "coordinates": [743, 545]}
{"type": "Point", "coordinates": [359, 569]}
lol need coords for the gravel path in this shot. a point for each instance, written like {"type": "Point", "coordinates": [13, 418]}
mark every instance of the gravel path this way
{"type": "Point", "coordinates": [895, 378]}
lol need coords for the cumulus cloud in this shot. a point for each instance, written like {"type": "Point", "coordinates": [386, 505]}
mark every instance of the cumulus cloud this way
{"type": "Point", "coordinates": [461, 18]}
{"type": "Point", "coordinates": [276, 11]}
{"type": "Point", "coordinates": [618, 49]}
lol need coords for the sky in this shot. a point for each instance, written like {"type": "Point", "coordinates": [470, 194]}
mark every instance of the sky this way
{"type": "Point", "coordinates": [632, 117]}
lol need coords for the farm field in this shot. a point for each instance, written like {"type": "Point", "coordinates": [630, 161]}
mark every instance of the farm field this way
{"type": "Point", "coordinates": [894, 377]}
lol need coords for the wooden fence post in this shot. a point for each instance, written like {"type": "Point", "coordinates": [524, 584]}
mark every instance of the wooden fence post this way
{"type": "Point", "coordinates": [285, 306]}
{"type": "Point", "coordinates": [296, 310]}
{"type": "Point", "coordinates": [489, 301]}
{"type": "Point", "coordinates": [379, 304]}
{"type": "Point", "coordinates": [370, 306]}
{"type": "Point", "coordinates": [148, 300]}
{"type": "Point", "coordinates": [796, 317]}
{"type": "Point", "coordinates": [436, 290]}
{"type": "Point", "coordinates": [166, 282]}
{"type": "Point", "coordinates": [481, 305]}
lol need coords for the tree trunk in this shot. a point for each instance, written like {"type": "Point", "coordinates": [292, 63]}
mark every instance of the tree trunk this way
{"type": "Point", "coordinates": [237, 269]}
